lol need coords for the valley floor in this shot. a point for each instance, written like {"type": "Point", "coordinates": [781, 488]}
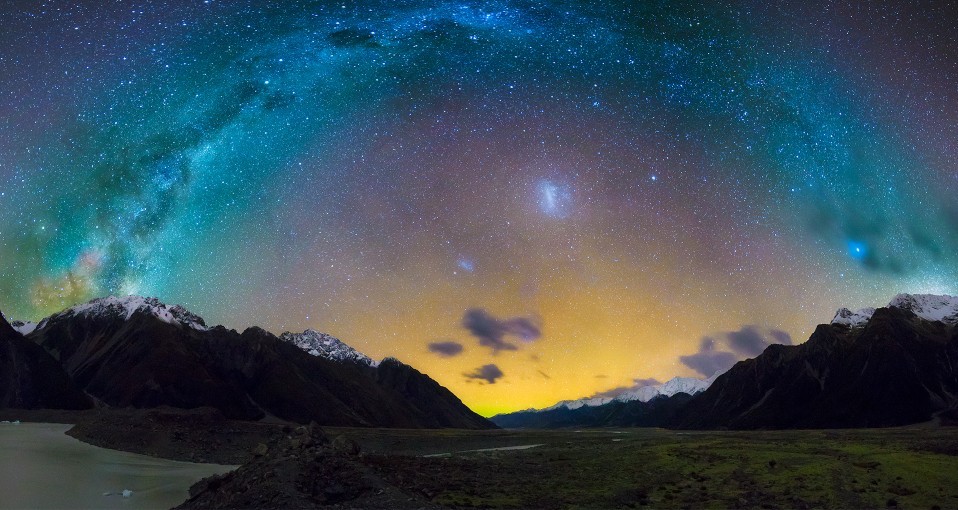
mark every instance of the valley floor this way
{"type": "Point", "coordinates": [590, 469]}
{"type": "Point", "coordinates": [635, 468]}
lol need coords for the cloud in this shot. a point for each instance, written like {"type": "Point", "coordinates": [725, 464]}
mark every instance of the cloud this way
{"type": "Point", "coordinates": [707, 361]}
{"type": "Point", "coordinates": [750, 341]}
{"type": "Point", "coordinates": [491, 331]}
{"type": "Point", "coordinates": [446, 349]}
{"type": "Point", "coordinates": [489, 373]}
{"type": "Point", "coordinates": [641, 383]}
{"type": "Point", "coordinates": [615, 392]}
{"type": "Point", "coordinates": [781, 337]}
{"type": "Point", "coordinates": [747, 342]}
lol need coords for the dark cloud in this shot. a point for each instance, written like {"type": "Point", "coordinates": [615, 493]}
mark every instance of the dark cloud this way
{"type": "Point", "coordinates": [445, 349]}
{"type": "Point", "coordinates": [707, 361]}
{"type": "Point", "coordinates": [615, 392]}
{"type": "Point", "coordinates": [491, 331]}
{"type": "Point", "coordinates": [750, 341]}
{"type": "Point", "coordinates": [747, 342]}
{"type": "Point", "coordinates": [640, 383]}
{"type": "Point", "coordinates": [489, 373]}
{"type": "Point", "coordinates": [781, 337]}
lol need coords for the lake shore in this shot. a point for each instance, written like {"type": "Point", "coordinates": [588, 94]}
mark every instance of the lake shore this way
{"type": "Point", "coordinates": [197, 435]}
{"type": "Point", "coordinates": [45, 468]}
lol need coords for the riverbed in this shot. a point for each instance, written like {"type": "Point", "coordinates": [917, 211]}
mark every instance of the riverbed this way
{"type": "Point", "coordinates": [42, 467]}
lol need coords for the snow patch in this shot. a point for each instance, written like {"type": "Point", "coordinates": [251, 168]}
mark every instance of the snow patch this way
{"type": "Point", "coordinates": [853, 319]}
{"type": "Point", "coordinates": [327, 346]}
{"type": "Point", "coordinates": [24, 328]}
{"type": "Point", "coordinates": [124, 307]}
{"type": "Point", "coordinates": [930, 307]}
{"type": "Point", "coordinates": [672, 387]}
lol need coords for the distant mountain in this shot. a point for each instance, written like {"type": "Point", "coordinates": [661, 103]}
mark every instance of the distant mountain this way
{"type": "Point", "coordinates": [871, 368]}
{"type": "Point", "coordinates": [327, 346]}
{"type": "Point", "coordinates": [647, 406]}
{"type": "Point", "coordinates": [31, 379]}
{"type": "Point", "coordinates": [138, 352]}
{"type": "Point", "coordinates": [676, 385]}
{"type": "Point", "coordinates": [657, 412]}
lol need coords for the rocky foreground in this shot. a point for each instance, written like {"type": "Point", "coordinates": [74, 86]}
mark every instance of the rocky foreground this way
{"type": "Point", "coordinates": [280, 465]}
{"type": "Point", "coordinates": [304, 469]}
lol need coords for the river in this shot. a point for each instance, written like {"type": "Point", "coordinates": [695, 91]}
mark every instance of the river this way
{"type": "Point", "coordinates": [43, 468]}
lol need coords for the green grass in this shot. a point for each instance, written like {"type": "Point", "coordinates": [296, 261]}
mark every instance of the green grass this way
{"type": "Point", "coordinates": [648, 468]}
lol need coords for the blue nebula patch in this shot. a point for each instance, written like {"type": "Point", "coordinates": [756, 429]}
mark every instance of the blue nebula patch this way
{"type": "Point", "coordinates": [857, 250]}
{"type": "Point", "coordinates": [466, 264]}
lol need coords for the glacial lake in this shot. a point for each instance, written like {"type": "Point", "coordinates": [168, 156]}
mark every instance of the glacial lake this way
{"type": "Point", "coordinates": [41, 467]}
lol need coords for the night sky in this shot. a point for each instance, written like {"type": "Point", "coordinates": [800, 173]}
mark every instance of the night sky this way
{"type": "Point", "coordinates": [528, 201]}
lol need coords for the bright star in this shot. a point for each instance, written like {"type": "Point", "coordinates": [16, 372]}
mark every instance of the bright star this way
{"type": "Point", "coordinates": [857, 250]}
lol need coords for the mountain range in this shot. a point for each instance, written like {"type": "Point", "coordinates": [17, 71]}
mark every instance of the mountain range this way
{"type": "Point", "coordinates": [688, 385]}
{"type": "Point", "coordinates": [894, 365]}
{"type": "Point", "coordinates": [138, 352]}
{"type": "Point", "coordinates": [872, 367]}
{"type": "Point", "coordinates": [889, 366]}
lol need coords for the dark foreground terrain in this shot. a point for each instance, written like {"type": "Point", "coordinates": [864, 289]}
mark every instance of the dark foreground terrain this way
{"type": "Point", "coordinates": [287, 466]}
{"type": "Point", "coordinates": [634, 468]}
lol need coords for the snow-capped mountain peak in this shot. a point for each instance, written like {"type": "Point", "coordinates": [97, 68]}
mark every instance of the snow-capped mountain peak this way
{"type": "Point", "coordinates": [124, 307]}
{"type": "Point", "coordinates": [582, 402]}
{"type": "Point", "coordinates": [930, 307]}
{"type": "Point", "coordinates": [671, 387]}
{"type": "Point", "coordinates": [327, 346]}
{"type": "Point", "coordinates": [853, 319]}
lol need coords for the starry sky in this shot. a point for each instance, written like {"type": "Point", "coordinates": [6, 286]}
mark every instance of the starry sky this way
{"type": "Point", "coordinates": [527, 200]}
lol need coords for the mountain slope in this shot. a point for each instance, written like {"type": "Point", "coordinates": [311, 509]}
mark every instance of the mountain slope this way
{"type": "Point", "coordinates": [141, 353]}
{"type": "Point", "coordinates": [891, 366]}
{"type": "Point", "coordinates": [31, 379]}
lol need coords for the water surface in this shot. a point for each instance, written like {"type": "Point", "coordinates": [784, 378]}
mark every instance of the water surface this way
{"type": "Point", "coordinates": [41, 467]}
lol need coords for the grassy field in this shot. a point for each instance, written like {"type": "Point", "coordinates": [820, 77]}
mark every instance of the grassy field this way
{"type": "Point", "coordinates": [635, 468]}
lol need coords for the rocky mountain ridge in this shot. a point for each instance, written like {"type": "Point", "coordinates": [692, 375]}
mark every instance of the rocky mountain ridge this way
{"type": "Point", "coordinates": [874, 367]}
{"type": "Point", "coordinates": [138, 352]}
